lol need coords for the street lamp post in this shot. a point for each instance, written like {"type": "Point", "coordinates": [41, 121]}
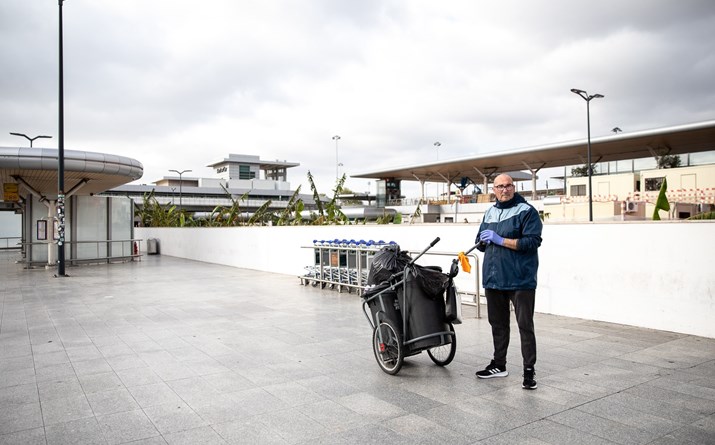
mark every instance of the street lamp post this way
{"type": "Point", "coordinates": [336, 138]}
{"type": "Point", "coordinates": [29, 138]}
{"type": "Point", "coordinates": [437, 144]}
{"type": "Point", "coordinates": [181, 183]}
{"type": "Point", "coordinates": [61, 159]}
{"type": "Point", "coordinates": [585, 96]}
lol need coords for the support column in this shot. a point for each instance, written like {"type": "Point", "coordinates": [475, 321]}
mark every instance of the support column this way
{"type": "Point", "coordinates": [533, 171]}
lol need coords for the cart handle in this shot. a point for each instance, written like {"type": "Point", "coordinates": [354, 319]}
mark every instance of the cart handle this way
{"type": "Point", "coordinates": [431, 245]}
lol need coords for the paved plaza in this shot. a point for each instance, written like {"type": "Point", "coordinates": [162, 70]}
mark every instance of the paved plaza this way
{"type": "Point", "coordinates": [170, 351]}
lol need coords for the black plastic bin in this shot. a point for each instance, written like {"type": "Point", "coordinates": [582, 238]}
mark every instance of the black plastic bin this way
{"type": "Point", "coordinates": [387, 304]}
{"type": "Point", "coordinates": [425, 308]}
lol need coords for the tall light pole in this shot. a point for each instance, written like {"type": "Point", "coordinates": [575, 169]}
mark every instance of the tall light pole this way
{"type": "Point", "coordinates": [61, 161]}
{"type": "Point", "coordinates": [585, 96]}
{"type": "Point", "coordinates": [336, 138]}
{"type": "Point", "coordinates": [437, 144]}
{"type": "Point", "coordinates": [181, 183]}
{"type": "Point", "coordinates": [29, 138]}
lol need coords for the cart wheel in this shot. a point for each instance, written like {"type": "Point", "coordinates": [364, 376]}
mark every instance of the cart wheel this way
{"type": "Point", "coordinates": [443, 355]}
{"type": "Point", "coordinates": [314, 283]}
{"type": "Point", "coordinates": [387, 346]}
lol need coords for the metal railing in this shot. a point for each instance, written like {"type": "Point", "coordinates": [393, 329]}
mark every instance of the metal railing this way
{"type": "Point", "coordinates": [104, 251]}
{"type": "Point", "coordinates": [10, 242]}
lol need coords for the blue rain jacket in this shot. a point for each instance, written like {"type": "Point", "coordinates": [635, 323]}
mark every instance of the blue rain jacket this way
{"type": "Point", "coordinates": [507, 269]}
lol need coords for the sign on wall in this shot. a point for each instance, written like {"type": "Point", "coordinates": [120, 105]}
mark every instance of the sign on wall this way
{"type": "Point", "coordinates": [10, 192]}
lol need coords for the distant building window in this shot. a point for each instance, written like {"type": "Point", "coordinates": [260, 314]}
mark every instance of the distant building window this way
{"type": "Point", "coordinates": [244, 172]}
{"type": "Point", "coordinates": [578, 190]}
{"type": "Point", "coordinates": [653, 184]}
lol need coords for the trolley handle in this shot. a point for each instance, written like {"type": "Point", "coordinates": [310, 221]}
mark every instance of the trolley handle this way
{"type": "Point", "coordinates": [431, 245]}
{"type": "Point", "coordinates": [396, 277]}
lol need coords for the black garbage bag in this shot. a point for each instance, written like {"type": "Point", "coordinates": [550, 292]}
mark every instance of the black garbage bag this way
{"type": "Point", "coordinates": [389, 260]}
{"type": "Point", "coordinates": [431, 280]}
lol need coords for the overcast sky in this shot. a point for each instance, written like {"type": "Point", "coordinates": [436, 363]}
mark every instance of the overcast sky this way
{"type": "Point", "coordinates": [179, 84]}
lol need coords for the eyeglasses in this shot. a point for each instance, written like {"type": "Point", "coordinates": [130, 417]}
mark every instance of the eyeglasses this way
{"type": "Point", "coordinates": [503, 187]}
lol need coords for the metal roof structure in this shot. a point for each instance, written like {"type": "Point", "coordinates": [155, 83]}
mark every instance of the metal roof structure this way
{"type": "Point", "coordinates": [85, 172]}
{"type": "Point", "coordinates": [675, 140]}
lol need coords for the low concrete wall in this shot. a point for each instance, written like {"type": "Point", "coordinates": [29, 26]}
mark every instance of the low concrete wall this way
{"type": "Point", "coordinates": [655, 275]}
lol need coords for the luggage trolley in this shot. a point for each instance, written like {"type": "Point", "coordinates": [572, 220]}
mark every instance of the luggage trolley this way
{"type": "Point", "coordinates": [405, 321]}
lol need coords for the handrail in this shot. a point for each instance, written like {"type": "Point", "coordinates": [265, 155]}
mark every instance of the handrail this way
{"type": "Point", "coordinates": [7, 239]}
{"type": "Point", "coordinates": [133, 244]}
{"type": "Point", "coordinates": [86, 241]}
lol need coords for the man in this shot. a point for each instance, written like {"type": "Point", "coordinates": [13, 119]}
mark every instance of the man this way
{"type": "Point", "coordinates": [509, 236]}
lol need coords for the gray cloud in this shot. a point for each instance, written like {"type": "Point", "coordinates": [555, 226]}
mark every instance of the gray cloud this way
{"type": "Point", "coordinates": [180, 84]}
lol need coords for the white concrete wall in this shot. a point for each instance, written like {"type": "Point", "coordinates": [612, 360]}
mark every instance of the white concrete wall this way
{"type": "Point", "coordinates": [10, 229]}
{"type": "Point", "coordinates": [656, 275]}
{"type": "Point", "coordinates": [10, 224]}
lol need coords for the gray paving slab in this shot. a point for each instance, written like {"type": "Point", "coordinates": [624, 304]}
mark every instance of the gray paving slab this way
{"type": "Point", "coordinates": [172, 351]}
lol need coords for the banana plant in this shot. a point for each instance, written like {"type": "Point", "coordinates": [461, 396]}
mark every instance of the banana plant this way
{"type": "Point", "coordinates": [294, 207]}
{"type": "Point", "coordinates": [153, 214]}
{"type": "Point", "coordinates": [331, 213]}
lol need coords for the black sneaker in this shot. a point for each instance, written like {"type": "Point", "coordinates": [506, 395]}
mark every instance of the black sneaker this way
{"type": "Point", "coordinates": [493, 370]}
{"type": "Point", "coordinates": [529, 382]}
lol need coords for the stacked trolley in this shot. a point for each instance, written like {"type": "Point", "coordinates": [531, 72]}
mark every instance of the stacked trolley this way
{"type": "Point", "coordinates": [341, 264]}
{"type": "Point", "coordinates": [408, 315]}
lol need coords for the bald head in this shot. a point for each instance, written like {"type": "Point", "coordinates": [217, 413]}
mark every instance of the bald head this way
{"type": "Point", "coordinates": [503, 178]}
{"type": "Point", "coordinates": [503, 187]}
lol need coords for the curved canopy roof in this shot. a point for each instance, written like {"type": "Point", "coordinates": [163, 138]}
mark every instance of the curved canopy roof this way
{"type": "Point", "coordinates": [676, 140]}
{"type": "Point", "coordinates": [94, 172]}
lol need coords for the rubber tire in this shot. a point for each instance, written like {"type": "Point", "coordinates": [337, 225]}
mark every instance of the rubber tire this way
{"type": "Point", "coordinates": [396, 350]}
{"type": "Point", "coordinates": [443, 355]}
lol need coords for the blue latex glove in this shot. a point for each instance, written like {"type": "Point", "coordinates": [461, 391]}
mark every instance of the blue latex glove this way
{"type": "Point", "coordinates": [490, 236]}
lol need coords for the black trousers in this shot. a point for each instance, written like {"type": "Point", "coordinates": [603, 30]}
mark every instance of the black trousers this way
{"type": "Point", "coordinates": [500, 317]}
